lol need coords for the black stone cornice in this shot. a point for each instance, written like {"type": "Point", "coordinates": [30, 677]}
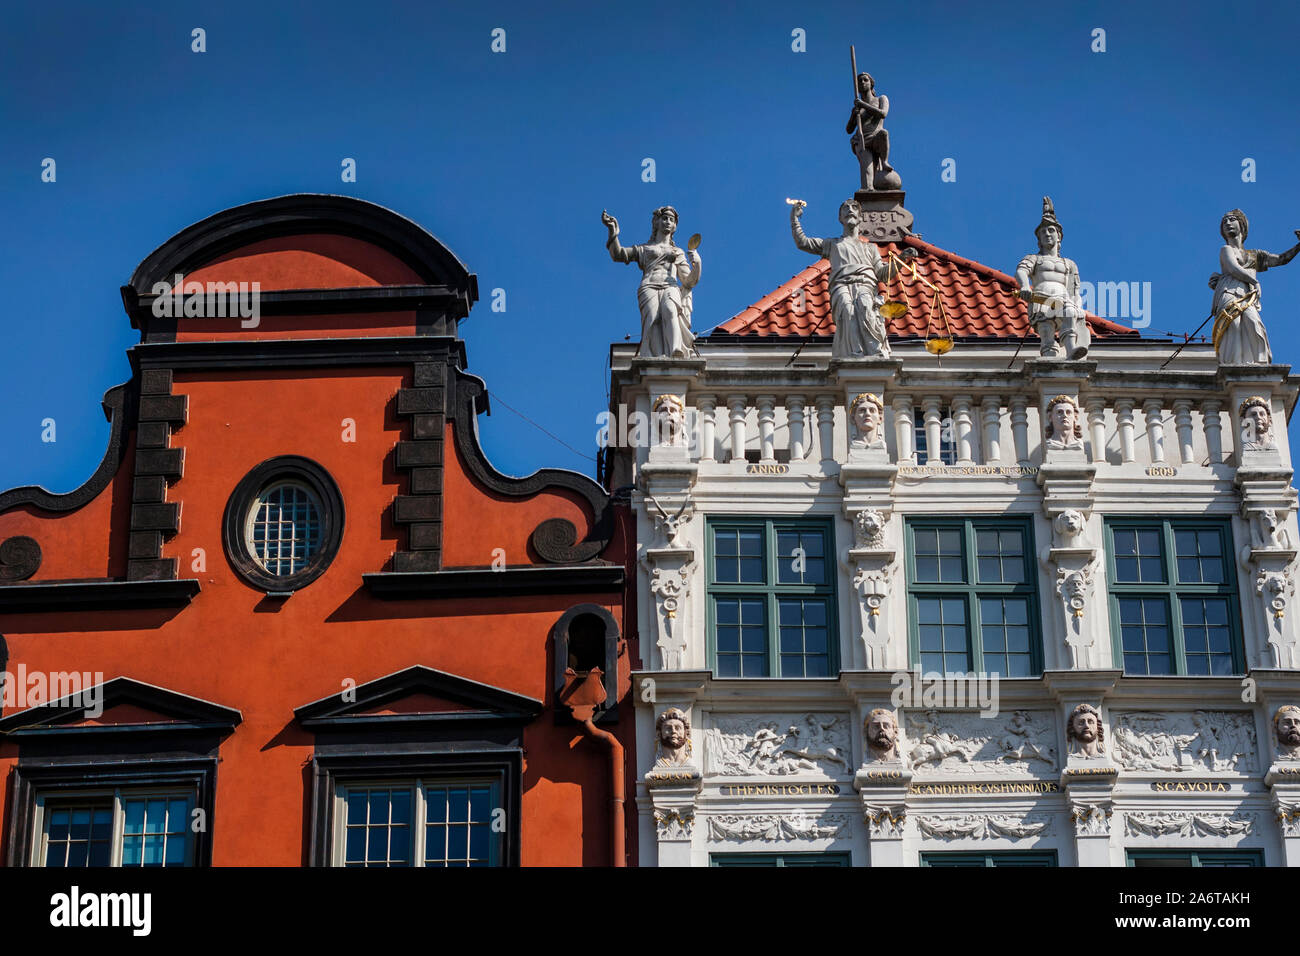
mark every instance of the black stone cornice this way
{"type": "Point", "coordinates": [57, 597]}
{"type": "Point", "coordinates": [119, 407]}
{"type": "Point", "coordinates": [535, 579]}
{"type": "Point", "coordinates": [307, 213]}
{"type": "Point", "coordinates": [246, 354]}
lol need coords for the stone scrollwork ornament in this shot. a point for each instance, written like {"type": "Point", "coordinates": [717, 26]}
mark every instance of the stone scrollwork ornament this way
{"type": "Point", "coordinates": [870, 564]}
{"type": "Point", "coordinates": [885, 820]}
{"type": "Point", "coordinates": [1090, 819]}
{"type": "Point", "coordinates": [668, 276]}
{"type": "Point", "coordinates": [670, 586]}
{"type": "Point", "coordinates": [674, 824]}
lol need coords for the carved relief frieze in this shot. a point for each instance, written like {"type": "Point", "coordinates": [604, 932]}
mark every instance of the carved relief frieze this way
{"type": "Point", "coordinates": [776, 827]}
{"type": "Point", "coordinates": [977, 826]}
{"type": "Point", "coordinates": [1187, 823]}
{"type": "Point", "coordinates": [1201, 741]}
{"type": "Point", "coordinates": [1020, 742]}
{"type": "Point", "coordinates": [809, 744]}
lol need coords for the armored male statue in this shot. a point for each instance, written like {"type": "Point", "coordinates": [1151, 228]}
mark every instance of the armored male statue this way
{"type": "Point", "coordinates": [856, 270]}
{"type": "Point", "coordinates": [1050, 284]}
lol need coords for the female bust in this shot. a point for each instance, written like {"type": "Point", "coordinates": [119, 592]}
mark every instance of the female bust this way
{"type": "Point", "coordinates": [1239, 336]}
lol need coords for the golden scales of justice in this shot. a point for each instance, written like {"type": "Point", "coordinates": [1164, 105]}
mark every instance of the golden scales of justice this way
{"type": "Point", "coordinates": [941, 341]}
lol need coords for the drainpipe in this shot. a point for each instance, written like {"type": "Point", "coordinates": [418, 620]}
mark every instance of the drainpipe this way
{"type": "Point", "coordinates": [582, 697]}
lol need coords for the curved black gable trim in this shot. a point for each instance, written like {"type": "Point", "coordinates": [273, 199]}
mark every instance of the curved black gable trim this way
{"type": "Point", "coordinates": [299, 214]}
{"type": "Point", "coordinates": [115, 410]}
{"type": "Point", "coordinates": [555, 539]}
{"type": "Point", "coordinates": [282, 468]}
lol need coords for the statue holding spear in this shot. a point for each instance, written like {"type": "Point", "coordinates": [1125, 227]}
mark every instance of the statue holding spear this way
{"type": "Point", "coordinates": [868, 136]}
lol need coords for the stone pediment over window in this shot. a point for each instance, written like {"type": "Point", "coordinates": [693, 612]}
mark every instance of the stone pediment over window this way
{"type": "Point", "coordinates": [415, 696]}
{"type": "Point", "coordinates": [117, 706]}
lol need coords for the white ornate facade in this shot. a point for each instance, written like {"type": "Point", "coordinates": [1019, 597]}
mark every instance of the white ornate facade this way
{"type": "Point", "coordinates": [1189, 761]}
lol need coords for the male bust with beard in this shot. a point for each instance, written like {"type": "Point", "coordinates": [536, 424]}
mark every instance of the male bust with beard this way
{"type": "Point", "coordinates": [673, 729]}
{"type": "Point", "coordinates": [1084, 732]}
{"type": "Point", "coordinates": [1286, 724]}
{"type": "Point", "coordinates": [882, 734]}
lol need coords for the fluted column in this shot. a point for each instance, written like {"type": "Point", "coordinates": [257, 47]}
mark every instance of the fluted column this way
{"type": "Point", "coordinates": [903, 427]}
{"type": "Point", "coordinates": [794, 411]}
{"type": "Point", "coordinates": [766, 428]}
{"type": "Point", "coordinates": [1097, 428]}
{"type": "Point", "coordinates": [1020, 429]}
{"type": "Point", "coordinates": [826, 429]}
{"type": "Point", "coordinates": [738, 409]}
{"type": "Point", "coordinates": [708, 406]}
{"type": "Point", "coordinates": [932, 431]}
{"type": "Point", "coordinates": [961, 421]}
{"type": "Point", "coordinates": [1183, 422]}
{"type": "Point", "coordinates": [1124, 413]}
{"type": "Point", "coordinates": [1213, 431]}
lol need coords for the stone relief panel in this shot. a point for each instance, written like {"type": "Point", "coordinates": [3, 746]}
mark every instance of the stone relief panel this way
{"type": "Point", "coordinates": [676, 824]}
{"type": "Point", "coordinates": [776, 827]}
{"type": "Point", "coordinates": [973, 826]}
{"type": "Point", "coordinates": [808, 744]}
{"type": "Point", "coordinates": [1192, 823]}
{"type": "Point", "coordinates": [1021, 742]}
{"type": "Point", "coordinates": [1201, 741]}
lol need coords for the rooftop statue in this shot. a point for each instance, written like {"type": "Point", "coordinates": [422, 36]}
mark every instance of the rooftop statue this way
{"type": "Point", "coordinates": [665, 305]}
{"type": "Point", "coordinates": [1239, 336]}
{"type": "Point", "coordinates": [856, 269]}
{"type": "Point", "coordinates": [1050, 284]}
{"type": "Point", "coordinates": [868, 136]}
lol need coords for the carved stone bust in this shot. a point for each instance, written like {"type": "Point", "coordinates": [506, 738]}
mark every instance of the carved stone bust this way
{"type": "Point", "coordinates": [1069, 525]}
{"type": "Point", "coordinates": [1256, 424]}
{"type": "Point", "coordinates": [868, 415]}
{"type": "Point", "coordinates": [670, 419]}
{"type": "Point", "coordinates": [869, 525]}
{"type": "Point", "coordinates": [1286, 724]}
{"type": "Point", "coordinates": [1064, 430]}
{"type": "Point", "coordinates": [1085, 733]}
{"type": "Point", "coordinates": [673, 730]}
{"type": "Point", "coordinates": [881, 732]}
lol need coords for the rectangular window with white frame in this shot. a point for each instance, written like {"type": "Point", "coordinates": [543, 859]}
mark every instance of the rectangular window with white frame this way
{"type": "Point", "coordinates": [118, 827]}
{"type": "Point", "coordinates": [421, 822]}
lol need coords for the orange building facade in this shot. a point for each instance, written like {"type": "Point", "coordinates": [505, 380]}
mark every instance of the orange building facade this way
{"type": "Point", "coordinates": [296, 617]}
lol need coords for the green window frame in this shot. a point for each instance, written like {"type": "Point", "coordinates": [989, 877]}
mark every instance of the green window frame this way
{"type": "Point", "coordinates": [1174, 607]}
{"type": "Point", "coordinates": [974, 858]}
{"type": "Point", "coordinates": [769, 616]}
{"type": "Point", "coordinates": [1196, 858]}
{"type": "Point", "coordinates": [972, 596]}
{"type": "Point", "coordinates": [780, 859]}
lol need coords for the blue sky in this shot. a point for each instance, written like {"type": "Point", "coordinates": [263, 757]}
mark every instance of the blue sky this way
{"type": "Point", "coordinates": [509, 159]}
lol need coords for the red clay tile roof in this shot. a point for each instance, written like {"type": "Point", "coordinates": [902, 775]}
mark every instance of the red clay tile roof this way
{"type": "Point", "coordinates": [979, 302]}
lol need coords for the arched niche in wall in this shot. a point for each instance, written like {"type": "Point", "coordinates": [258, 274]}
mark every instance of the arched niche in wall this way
{"type": "Point", "coordinates": [587, 636]}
